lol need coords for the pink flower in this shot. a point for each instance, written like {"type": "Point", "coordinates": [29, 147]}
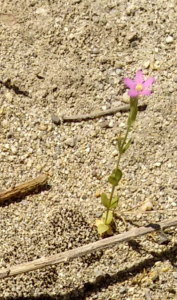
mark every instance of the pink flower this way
{"type": "Point", "coordinates": [138, 86]}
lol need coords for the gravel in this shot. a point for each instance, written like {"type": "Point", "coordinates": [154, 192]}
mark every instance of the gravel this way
{"type": "Point", "coordinates": [67, 58]}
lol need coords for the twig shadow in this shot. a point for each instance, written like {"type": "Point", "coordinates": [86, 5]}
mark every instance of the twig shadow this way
{"type": "Point", "coordinates": [106, 280]}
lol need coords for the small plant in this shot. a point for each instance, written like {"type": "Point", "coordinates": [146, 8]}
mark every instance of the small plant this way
{"type": "Point", "coordinates": [137, 88]}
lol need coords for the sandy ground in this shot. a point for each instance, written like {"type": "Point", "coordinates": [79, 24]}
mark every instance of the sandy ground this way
{"type": "Point", "coordinates": [66, 58]}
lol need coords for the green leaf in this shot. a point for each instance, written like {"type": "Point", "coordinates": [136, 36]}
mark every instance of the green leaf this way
{"type": "Point", "coordinates": [115, 177]}
{"type": "Point", "coordinates": [105, 200]}
{"type": "Point", "coordinates": [114, 202]}
{"type": "Point", "coordinates": [109, 218]}
{"type": "Point", "coordinates": [102, 228]}
{"type": "Point", "coordinates": [127, 146]}
{"type": "Point", "coordinates": [118, 174]}
{"type": "Point", "coordinates": [112, 180]}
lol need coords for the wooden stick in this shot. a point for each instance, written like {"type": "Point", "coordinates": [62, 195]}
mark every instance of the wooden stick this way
{"type": "Point", "coordinates": [24, 188]}
{"type": "Point", "coordinates": [99, 245]}
{"type": "Point", "coordinates": [77, 118]}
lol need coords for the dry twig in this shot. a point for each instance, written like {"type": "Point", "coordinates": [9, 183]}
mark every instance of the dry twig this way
{"type": "Point", "coordinates": [23, 189]}
{"type": "Point", "coordinates": [77, 118]}
{"type": "Point", "coordinates": [81, 251]}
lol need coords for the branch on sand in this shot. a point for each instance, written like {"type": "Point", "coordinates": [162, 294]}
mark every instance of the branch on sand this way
{"type": "Point", "coordinates": [83, 250]}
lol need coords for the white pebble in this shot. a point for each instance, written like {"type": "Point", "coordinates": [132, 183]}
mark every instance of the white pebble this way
{"type": "Point", "coordinates": [115, 153]}
{"type": "Point", "coordinates": [14, 150]}
{"type": "Point", "coordinates": [146, 206]}
{"type": "Point", "coordinates": [157, 164]}
{"type": "Point", "coordinates": [147, 64]}
{"type": "Point", "coordinates": [126, 97]}
{"type": "Point", "coordinates": [169, 39]}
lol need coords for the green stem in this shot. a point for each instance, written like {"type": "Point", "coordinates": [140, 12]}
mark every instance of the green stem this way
{"type": "Point", "coordinates": [118, 161]}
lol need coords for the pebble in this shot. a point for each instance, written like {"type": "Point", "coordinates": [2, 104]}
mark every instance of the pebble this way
{"type": "Point", "coordinates": [4, 123]}
{"type": "Point", "coordinates": [157, 164]}
{"type": "Point", "coordinates": [174, 275]}
{"type": "Point", "coordinates": [169, 39]}
{"type": "Point", "coordinates": [115, 153]}
{"type": "Point", "coordinates": [104, 124]}
{"type": "Point", "coordinates": [147, 206]}
{"type": "Point", "coordinates": [70, 142]}
{"type": "Point", "coordinates": [43, 127]}
{"type": "Point", "coordinates": [126, 97]}
{"type": "Point", "coordinates": [14, 149]}
{"type": "Point", "coordinates": [111, 124]}
{"type": "Point", "coordinates": [131, 36]}
{"type": "Point", "coordinates": [97, 194]}
{"type": "Point", "coordinates": [55, 119]}
{"type": "Point", "coordinates": [148, 296]}
{"type": "Point", "coordinates": [8, 97]}
{"type": "Point", "coordinates": [146, 64]}
{"type": "Point", "coordinates": [118, 71]}
{"type": "Point", "coordinates": [123, 290]}
{"type": "Point", "coordinates": [94, 173]}
{"type": "Point", "coordinates": [99, 275]}
{"type": "Point", "coordinates": [95, 51]}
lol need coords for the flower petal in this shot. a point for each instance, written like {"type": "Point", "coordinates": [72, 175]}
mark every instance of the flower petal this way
{"type": "Point", "coordinates": [148, 82]}
{"type": "Point", "coordinates": [139, 77]}
{"type": "Point", "coordinates": [146, 92]}
{"type": "Point", "coordinates": [129, 83]}
{"type": "Point", "coordinates": [133, 93]}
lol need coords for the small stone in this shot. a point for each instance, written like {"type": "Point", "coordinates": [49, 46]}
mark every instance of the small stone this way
{"type": "Point", "coordinates": [157, 164]}
{"type": "Point", "coordinates": [4, 123]}
{"type": "Point", "coordinates": [147, 206]}
{"type": "Point", "coordinates": [130, 10]}
{"type": "Point", "coordinates": [58, 149]}
{"type": "Point", "coordinates": [97, 194]}
{"type": "Point", "coordinates": [99, 275]}
{"type": "Point", "coordinates": [118, 71]}
{"type": "Point", "coordinates": [115, 153]}
{"type": "Point", "coordinates": [123, 290]}
{"type": "Point", "coordinates": [10, 158]}
{"type": "Point", "coordinates": [154, 276]}
{"type": "Point", "coordinates": [132, 36]}
{"type": "Point", "coordinates": [118, 65]}
{"type": "Point", "coordinates": [111, 124]}
{"type": "Point", "coordinates": [71, 36]}
{"type": "Point", "coordinates": [41, 11]}
{"type": "Point", "coordinates": [95, 51]}
{"type": "Point", "coordinates": [146, 64]}
{"type": "Point", "coordinates": [70, 142]}
{"type": "Point", "coordinates": [9, 135]}
{"type": "Point", "coordinates": [169, 39]}
{"type": "Point", "coordinates": [148, 296]}
{"type": "Point", "coordinates": [104, 124]}
{"type": "Point", "coordinates": [174, 275]}
{"type": "Point", "coordinates": [8, 97]}
{"type": "Point", "coordinates": [170, 165]}
{"type": "Point", "coordinates": [94, 173]}
{"type": "Point", "coordinates": [56, 120]}
{"type": "Point", "coordinates": [14, 149]}
{"type": "Point", "coordinates": [43, 127]}
{"type": "Point", "coordinates": [29, 163]}
{"type": "Point", "coordinates": [163, 238]}
{"type": "Point", "coordinates": [126, 98]}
